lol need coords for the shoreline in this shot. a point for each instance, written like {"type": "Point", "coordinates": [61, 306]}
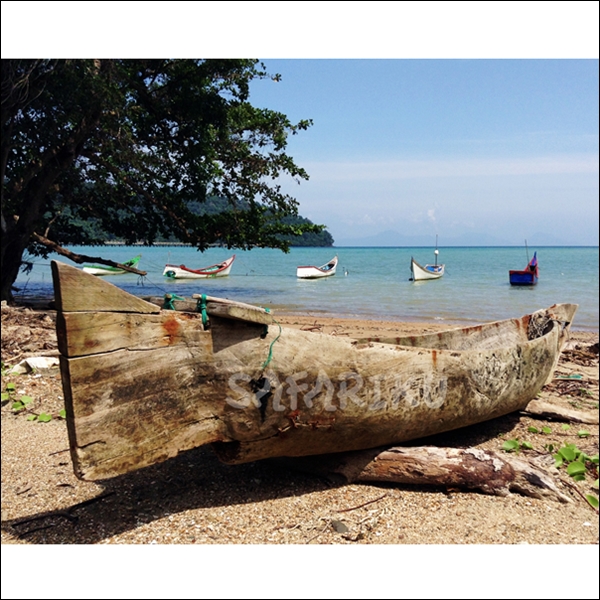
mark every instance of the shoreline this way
{"type": "Point", "coordinates": [304, 317]}
{"type": "Point", "coordinates": [376, 289]}
{"type": "Point", "coordinates": [403, 324]}
{"type": "Point", "coordinates": [353, 327]}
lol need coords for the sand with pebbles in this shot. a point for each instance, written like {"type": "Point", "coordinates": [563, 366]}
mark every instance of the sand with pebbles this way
{"type": "Point", "coordinates": [194, 499]}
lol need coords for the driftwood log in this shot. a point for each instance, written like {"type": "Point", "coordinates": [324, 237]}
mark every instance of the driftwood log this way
{"type": "Point", "coordinates": [469, 468]}
{"type": "Point", "coordinates": [546, 410]}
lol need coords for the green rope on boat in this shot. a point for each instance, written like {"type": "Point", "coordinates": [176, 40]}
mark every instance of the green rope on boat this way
{"type": "Point", "coordinates": [169, 299]}
{"type": "Point", "coordinates": [265, 332]}
{"type": "Point", "coordinates": [201, 308]}
{"type": "Point", "coordinates": [270, 355]}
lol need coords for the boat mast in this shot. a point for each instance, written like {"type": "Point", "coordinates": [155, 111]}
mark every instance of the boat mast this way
{"type": "Point", "coordinates": [436, 251]}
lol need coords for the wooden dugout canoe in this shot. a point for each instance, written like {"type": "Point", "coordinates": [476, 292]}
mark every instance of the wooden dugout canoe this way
{"type": "Point", "coordinates": [143, 383]}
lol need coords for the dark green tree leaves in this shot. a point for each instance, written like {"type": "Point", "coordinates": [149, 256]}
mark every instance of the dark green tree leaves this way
{"type": "Point", "coordinates": [126, 148]}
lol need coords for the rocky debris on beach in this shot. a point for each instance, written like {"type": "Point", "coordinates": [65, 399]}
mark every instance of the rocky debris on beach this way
{"type": "Point", "coordinates": [27, 332]}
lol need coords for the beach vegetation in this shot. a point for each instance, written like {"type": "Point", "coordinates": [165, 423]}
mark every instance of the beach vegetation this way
{"type": "Point", "coordinates": [578, 464]}
{"type": "Point", "coordinates": [543, 430]}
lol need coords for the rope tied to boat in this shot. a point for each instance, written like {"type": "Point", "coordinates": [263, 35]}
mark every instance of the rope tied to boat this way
{"type": "Point", "coordinates": [265, 332]}
{"type": "Point", "coordinates": [169, 299]}
{"type": "Point", "coordinates": [264, 335]}
{"type": "Point", "coordinates": [201, 308]}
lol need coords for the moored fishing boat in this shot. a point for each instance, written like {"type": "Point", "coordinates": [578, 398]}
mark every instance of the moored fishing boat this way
{"type": "Point", "coordinates": [101, 270]}
{"type": "Point", "coordinates": [528, 276]}
{"type": "Point", "coordinates": [312, 272]}
{"type": "Point", "coordinates": [422, 273]}
{"type": "Point", "coordinates": [144, 380]}
{"type": "Point", "coordinates": [182, 272]}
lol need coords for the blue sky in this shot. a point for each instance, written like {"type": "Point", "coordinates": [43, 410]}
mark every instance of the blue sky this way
{"type": "Point", "coordinates": [474, 121]}
{"type": "Point", "coordinates": [477, 151]}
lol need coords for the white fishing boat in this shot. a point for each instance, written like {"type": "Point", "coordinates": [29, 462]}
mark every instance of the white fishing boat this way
{"type": "Point", "coordinates": [183, 272]}
{"type": "Point", "coordinates": [422, 273]}
{"type": "Point", "coordinates": [312, 272]}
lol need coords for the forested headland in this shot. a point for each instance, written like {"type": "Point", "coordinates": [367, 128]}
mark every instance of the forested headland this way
{"type": "Point", "coordinates": [213, 206]}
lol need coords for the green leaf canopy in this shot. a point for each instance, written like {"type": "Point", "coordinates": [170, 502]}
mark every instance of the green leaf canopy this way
{"type": "Point", "coordinates": [127, 148]}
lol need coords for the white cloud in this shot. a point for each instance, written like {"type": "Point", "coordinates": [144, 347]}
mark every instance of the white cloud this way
{"type": "Point", "coordinates": [322, 172]}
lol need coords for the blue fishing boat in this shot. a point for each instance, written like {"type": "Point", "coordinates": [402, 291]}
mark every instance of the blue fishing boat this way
{"type": "Point", "coordinates": [528, 276]}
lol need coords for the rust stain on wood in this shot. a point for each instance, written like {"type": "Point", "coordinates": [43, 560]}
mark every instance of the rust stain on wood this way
{"type": "Point", "coordinates": [523, 323]}
{"type": "Point", "coordinates": [171, 328]}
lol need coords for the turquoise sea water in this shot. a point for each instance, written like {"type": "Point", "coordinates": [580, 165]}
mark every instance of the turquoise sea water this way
{"type": "Point", "coordinates": [474, 289]}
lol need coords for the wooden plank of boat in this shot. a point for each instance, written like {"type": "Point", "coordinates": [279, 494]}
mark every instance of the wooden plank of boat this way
{"type": "Point", "coordinates": [73, 294]}
{"type": "Point", "coordinates": [143, 384]}
{"type": "Point", "coordinates": [182, 272]}
{"type": "Point", "coordinates": [219, 307]}
{"type": "Point", "coordinates": [101, 270]}
{"type": "Point", "coordinates": [312, 272]}
{"type": "Point", "coordinates": [420, 273]}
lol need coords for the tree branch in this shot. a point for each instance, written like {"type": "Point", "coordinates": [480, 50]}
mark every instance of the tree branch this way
{"type": "Point", "coordinates": [546, 410]}
{"type": "Point", "coordinates": [81, 258]}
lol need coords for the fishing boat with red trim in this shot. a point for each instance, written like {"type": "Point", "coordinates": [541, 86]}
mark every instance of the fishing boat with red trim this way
{"type": "Point", "coordinates": [182, 272]}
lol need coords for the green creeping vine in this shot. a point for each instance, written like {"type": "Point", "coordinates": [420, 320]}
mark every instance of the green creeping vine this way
{"type": "Point", "coordinates": [576, 462]}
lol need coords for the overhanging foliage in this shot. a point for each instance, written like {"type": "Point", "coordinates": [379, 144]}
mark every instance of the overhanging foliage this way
{"type": "Point", "coordinates": [128, 147]}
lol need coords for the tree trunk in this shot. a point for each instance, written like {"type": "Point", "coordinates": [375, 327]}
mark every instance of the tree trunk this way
{"type": "Point", "coordinates": [13, 243]}
{"type": "Point", "coordinates": [40, 176]}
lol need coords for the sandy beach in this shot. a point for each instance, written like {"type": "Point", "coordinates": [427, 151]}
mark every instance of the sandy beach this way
{"type": "Point", "coordinates": [194, 499]}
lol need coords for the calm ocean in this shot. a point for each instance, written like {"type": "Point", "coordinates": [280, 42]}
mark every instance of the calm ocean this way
{"type": "Point", "coordinates": [474, 289]}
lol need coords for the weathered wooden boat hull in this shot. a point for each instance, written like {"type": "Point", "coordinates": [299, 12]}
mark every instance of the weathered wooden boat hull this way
{"type": "Point", "coordinates": [142, 383]}
{"type": "Point", "coordinates": [311, 272]}
{"type": "Point", "coordinates": [182, 272]}
{"type": "Point", "coordinates": [420, 273]}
